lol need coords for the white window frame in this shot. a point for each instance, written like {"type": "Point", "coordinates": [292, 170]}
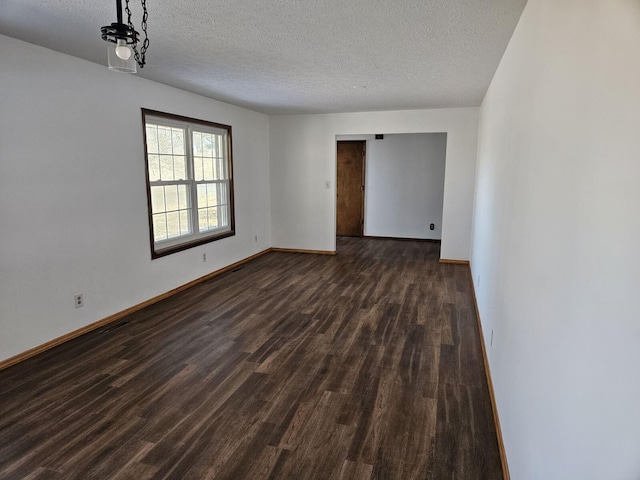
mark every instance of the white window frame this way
{"type": "Point", "coordinates": [160, 248]}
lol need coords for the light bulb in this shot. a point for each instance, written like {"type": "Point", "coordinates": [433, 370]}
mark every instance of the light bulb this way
{"type": "Point", "coordinates": [122, 50]}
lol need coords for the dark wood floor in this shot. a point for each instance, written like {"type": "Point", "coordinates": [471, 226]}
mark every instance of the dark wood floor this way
{"type": "Point", "coordinates": [366, 365]}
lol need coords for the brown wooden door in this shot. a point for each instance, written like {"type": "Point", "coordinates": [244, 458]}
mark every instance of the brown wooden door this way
{"type": "Point", "coordinates": [350, 188]}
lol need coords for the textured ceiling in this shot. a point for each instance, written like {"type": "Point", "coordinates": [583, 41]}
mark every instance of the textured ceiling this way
{"type": "Point", "coordinates": [288, 56]}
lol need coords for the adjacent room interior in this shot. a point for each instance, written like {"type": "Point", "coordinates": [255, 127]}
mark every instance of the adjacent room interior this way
{"type": "Point", "coordinates": [176, 300]}
{"type": "Point", "coordinates": [390, 186]}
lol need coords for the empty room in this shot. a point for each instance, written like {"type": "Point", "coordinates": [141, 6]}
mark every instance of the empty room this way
{"type": "Point", "coordinates": [320, 240]}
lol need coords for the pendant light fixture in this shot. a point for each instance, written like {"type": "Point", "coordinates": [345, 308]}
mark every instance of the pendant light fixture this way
{"type": "Point", "coordinates": [122, 51]}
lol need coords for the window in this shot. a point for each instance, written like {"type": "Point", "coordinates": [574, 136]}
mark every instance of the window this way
{"type": "Point", "coordinates": [189, 181]}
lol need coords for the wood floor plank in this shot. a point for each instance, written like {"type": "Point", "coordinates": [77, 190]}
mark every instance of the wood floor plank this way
{"type": "Point", "coordinates": [364, 365]}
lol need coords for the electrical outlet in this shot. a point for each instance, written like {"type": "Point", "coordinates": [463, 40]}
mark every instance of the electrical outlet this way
{"type": "Point", "coordinates": [204, 257]}
{"type": "Point", "coordinates": [327, 184]}
{"type": "Point", "coordinates": [255, 239]}
{"type": "Point", "coordinates": [78, 300]}
{"type": "Point", "coordinates": [432, 226]}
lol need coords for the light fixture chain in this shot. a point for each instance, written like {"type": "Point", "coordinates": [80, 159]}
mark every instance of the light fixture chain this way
{"type": "Point", "coordinates": [145, 43]}
{"type": "Point", "coordinates": [139, 56]}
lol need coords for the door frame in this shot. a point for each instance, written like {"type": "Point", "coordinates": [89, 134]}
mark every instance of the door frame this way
{"type": "Point", "coordinates": [362, 182]}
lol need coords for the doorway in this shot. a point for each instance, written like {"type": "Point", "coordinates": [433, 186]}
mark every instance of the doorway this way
{"type": "Point", "coordinates": [350, 188]}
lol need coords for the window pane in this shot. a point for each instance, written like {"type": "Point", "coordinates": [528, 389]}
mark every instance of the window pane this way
{"type": "Point", "coordinates": [207, 164]}
{"type": "Point", "coordinates": [207, 145]}
{"type": "Point", "coordinates": [164, 140]}
{"type": "Point", "coordinates": [214, 169]}
{"type": "Point", "coordinates": [178, 141]}
{"type": "Point", "coordinates": [218, 151]}
{"type": "Point", "coordinates": [223, 217]}
{"type": "Point", "coordinates": [222, 193]}
{"type": "Point", "coordinates": [212, 214]}
{"type": "Point", "coordinates": [173, 224]}
{"type": "Point", "coordinates": [159, 227]}
{"type": "Point", "coordinates": [197, 169]}
{"type": "Point", "coordinates": [212, 195]}
{"type": "Point", "coordinates": [182, 197]}
{"type": "Point", "coordinates": [222, 168]}
{"type": "Point", "coordinates": [185, 227]}
{"type": "Point", "coordinates": [171, 197]}
{"type": "Point", "coordinates": [157, 199]}
{"type": "Point", "coordinates": [152, 138]}
{"type": "Point", "coordinates": [154, 168]}
{"type": "Point", "coordinates": [202, 195]}
{"type": "Point", "coordinates": [166, 167]}
{"type": "Point", "coordinates": [180, 167]}
{"type": "Point", "coordinates": [197, 143]}
{"type": "Point", "coordinates": [202, 220]}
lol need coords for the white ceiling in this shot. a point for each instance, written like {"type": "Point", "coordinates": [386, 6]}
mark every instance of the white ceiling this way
{"type": "Point", "coordinates": [288, 56]}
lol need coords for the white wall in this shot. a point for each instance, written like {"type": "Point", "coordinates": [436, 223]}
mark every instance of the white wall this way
{"type": "Point", "coordinates": [556, 244]}
{"type": "Point", "coordinates": [73, 211]}
{"type": "Point", "coordinates": [303, 157]}
{"type": "Point", "coordinates": [404, 184]}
